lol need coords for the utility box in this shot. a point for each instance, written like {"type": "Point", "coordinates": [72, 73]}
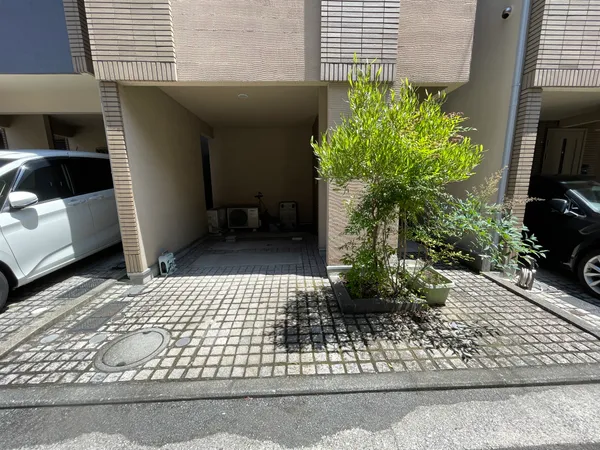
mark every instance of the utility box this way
{"type": "Point", "coordinates": [288, 215]}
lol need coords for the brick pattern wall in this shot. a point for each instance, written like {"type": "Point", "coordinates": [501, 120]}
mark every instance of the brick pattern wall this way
{"type": "Point", "coordinates": [563, 44]}
{"type": "Point", "coordinates": [79, 40]}
{"type": "Point", "coordinates": [524, 145]}
{"type": "Point", "coordinates": [247, 40]}
{"type": "Point", "coordinates": [367, 28]}
{"type": "Point", "coordinates": [132, 39]}
{"type": "Point", "coordinates": [337, 106]}
{"type": "Point", "coordinates": [119, 160]}
{"type": "Point", "coordinates": [435, 41]}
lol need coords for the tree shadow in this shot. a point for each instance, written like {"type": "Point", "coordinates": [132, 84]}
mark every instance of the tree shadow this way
{"type": "Point", "coordinates": [312, 322]}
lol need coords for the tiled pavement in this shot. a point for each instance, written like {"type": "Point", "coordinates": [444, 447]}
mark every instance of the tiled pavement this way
{"type": "Point", "coordinates": [562, 288]}
{"type": "Point", "coordinates": [43, 295]}
{"type": "Point", "coordinates": [282, 320]}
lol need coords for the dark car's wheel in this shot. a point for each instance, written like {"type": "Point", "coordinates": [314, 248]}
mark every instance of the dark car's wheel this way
{"type": "Point", "coordinates": [4, 289]}
{"type": "Point", "coordinates": [588, 271]}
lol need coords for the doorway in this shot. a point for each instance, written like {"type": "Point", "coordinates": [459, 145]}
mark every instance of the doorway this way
{"type": "Point", "coordinates": [563, 152]}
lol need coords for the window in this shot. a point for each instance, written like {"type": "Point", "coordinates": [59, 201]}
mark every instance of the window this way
{"type": "Point", "coordinates": [89, 175]}
{"type": "Point", "coordinates": [6, 181]}
{"type": "Point", "coordinates": [46, 179]}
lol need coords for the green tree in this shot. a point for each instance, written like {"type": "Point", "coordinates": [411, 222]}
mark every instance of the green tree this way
{"type": "Point", "coordinates": [403, 150]}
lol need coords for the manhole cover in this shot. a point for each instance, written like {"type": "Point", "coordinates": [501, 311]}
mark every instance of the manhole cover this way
{"type": "Point", "coordinates": [131, 350]}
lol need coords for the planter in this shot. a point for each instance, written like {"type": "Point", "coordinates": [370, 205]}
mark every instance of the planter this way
{"type": "Point", "coordinates": [435, 294]}
{"type": "Point", "coordinates": [349, 305]}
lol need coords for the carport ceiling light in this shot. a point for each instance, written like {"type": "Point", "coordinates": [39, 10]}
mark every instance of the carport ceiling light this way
{"type": "Point", "coordinates": [243, 96]}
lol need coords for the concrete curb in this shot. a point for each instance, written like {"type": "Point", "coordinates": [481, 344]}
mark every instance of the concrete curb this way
{"type": "Point", "coordinates": [142, 392]}
{"type": "Point", "coordinates": [545, 304]}
{"type": "Point", "coordinates": [50, 318]}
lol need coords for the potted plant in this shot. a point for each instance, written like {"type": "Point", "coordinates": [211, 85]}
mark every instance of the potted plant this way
{"type": "Point", "coordinates": [403, 150]}
{"type": "Point", "coordinates": [493, 229]}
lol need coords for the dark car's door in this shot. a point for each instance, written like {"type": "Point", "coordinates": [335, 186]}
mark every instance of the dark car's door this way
{"type": "Point", "coordinates": [557, 232]}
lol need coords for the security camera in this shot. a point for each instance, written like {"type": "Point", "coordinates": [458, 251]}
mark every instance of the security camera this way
{"type": "Point", "coordinates": [507, 12]}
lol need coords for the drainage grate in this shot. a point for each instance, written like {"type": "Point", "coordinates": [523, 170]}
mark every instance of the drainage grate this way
{"type": "Point", "coordinates": [82, 288]}
{"type": "Point", "coordinates": [98, 318]}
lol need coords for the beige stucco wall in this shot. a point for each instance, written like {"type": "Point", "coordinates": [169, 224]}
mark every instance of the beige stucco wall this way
{"type": "Point", "coordinates": [89, 138]}
{"type": "Point", "coordinates": [435, 39]}
{"type": "Point", "coordinates": [250, 40]}
{"type": "Point", "coordinates": [485, 99]}
{"type": "Point", "coordinates": [274, 161]}
{"type": "Point", "coordinates": [49, 94]}
{"type": "Point", "coordinates": [28, 132]}
{"type": "Point", "coordinates": [163, 145]}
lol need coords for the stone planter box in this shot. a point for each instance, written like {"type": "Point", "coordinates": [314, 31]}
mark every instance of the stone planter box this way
{"type": "Point", "coordinates": [349, 305]}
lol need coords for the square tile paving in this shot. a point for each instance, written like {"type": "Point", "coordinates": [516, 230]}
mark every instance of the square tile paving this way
{"type": "Point", "coordinates": [562, 288]}
{"type": "Point", "coordinates": [273, 320]}
{"type": "Point", "coordinates": [31, 301]}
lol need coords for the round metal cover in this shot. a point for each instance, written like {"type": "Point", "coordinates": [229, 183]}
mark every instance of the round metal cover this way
{"type": "Point", "coordinates": [97, 338]}
{"type": "Point", "coordinates": [50, 338]}
{"type": "Point", "coordinates": [183, 342]}
{"type": "Point", "coordinates": [131, 350]}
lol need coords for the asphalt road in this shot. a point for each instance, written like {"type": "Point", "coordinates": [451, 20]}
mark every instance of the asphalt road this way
{"type": "Point", "coordinates": [557, 418]}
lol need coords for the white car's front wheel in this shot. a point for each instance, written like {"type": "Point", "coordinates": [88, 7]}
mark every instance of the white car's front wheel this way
{"type": "Point", "coordinates": [589, 272]}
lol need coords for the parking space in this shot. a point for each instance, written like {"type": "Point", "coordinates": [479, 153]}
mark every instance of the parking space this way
{"type": "Point", "coordinates": [227, 316]}
{"type": "Point", "coordinates": [562, 288]}
{"type": "Point", "coordinates": [44, 295]}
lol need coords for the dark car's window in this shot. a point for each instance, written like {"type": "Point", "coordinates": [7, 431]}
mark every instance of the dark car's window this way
{"type": "Point", "coordinates": [46, 179]}
{"type": "Point", "coordinates": [6, 181]}
{"type": "Point", "coordinates": [89, 175]}
{"type": "Point", "coordinates": [587, 191]}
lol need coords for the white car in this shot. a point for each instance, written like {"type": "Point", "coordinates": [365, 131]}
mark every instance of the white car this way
{"type": "Point", "coordinates": [56, 207]}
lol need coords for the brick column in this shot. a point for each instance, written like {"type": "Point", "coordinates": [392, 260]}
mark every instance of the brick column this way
{"type": "Point", "coordinates": [523, 149]}
{"type": "Point", "coordinates": [337, 106]}
{"type": "Point", "coordinates": [119, 160]}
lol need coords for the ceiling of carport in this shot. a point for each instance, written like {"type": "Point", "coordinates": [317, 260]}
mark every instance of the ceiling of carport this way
{"type": "Point", "coordinates": [561, 104]}
{"type": "Point", "coordinates": [265, 105]}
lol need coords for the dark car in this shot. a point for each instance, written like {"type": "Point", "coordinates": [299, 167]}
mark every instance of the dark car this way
{"type": "Point", "coordinates": [567, 224]}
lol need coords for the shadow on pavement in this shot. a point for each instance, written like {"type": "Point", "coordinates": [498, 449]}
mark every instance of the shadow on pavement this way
{"type": "Point", "coordinates": [311, 321]}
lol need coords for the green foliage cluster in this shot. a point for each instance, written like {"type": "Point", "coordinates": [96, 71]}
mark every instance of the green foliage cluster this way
{"type": "Point", "coordinates": [493, 230]}
{"type": "Point", "coordinates": [403, 150]}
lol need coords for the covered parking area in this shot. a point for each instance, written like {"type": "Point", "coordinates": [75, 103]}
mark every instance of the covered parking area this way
{"type": "Point", "coordinates": [178, 150]}
{"type": "Point", "coordinates": [568, 135]}
{"type": "Point", "coordinates": [61, 112]}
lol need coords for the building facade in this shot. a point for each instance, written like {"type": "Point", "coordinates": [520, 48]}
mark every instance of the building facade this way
{"type": "Point", "coordinates": [534, 93]}
{"type": "Point", "coordinates": [255, 80]}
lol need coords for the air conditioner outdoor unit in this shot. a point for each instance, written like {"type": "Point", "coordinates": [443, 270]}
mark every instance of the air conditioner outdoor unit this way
{"type": "Point", "coordinates": [242, 218]}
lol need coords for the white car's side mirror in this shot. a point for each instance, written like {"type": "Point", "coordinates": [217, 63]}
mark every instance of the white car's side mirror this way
{"type": "Point", "coordinates": [21, 199]}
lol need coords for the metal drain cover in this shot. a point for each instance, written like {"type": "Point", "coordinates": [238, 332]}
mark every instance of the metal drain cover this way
{"type": "Point", "coordinates": [131, 350]}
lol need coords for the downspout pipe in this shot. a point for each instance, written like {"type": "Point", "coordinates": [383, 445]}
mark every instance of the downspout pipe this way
{"type": "Point", "coordinates": [514, 97]}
